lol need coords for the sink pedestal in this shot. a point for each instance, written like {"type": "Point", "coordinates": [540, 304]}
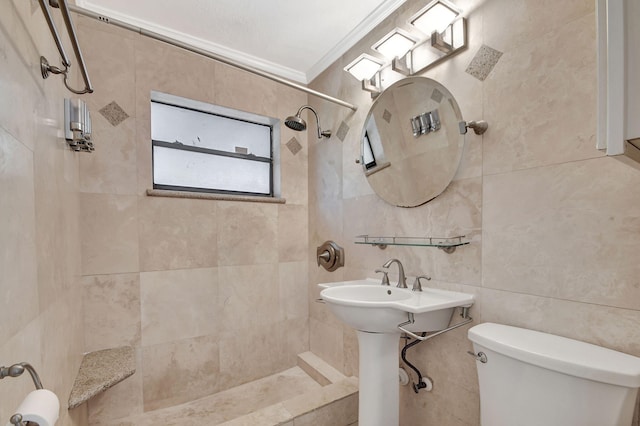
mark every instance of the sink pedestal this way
{"type": "Point", "coordinates": [379, 389]}
{"type": "Point", "coordinates": [377, 311]}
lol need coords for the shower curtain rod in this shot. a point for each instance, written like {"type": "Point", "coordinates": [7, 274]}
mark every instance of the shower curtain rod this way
{"type": "Point", "coordinates": [207, 54]}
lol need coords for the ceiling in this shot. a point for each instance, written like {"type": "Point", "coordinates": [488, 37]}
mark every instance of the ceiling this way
{"type": "Point", "coordinates": [294, 39]}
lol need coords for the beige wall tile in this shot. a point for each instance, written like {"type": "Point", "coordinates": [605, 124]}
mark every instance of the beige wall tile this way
{"type": "Point", "coordinates": [42, 304]}
{"type": "Point", "coordinates": [111, 168]}
{"type": "Point", "coordinates": [294, 167]}
{"type": "Point", "coordinates": [20, 56]}
{"type": "Point", "coordinates": [152, 72]}
{"type": "Point", "coordinates": [527, 17]}
{"type": "Point", "coordinates": [546, 112]}
{"type": "Point", "coordinates": [293, 240]}
{"type": "Point", "coordinates": [17, 231]}
{"type": "Point", "coordinates": [241, 90]}
{"type": "Point", "coordinates": [294, 171]}
{"type": "Point", "coordinates": [327, 342]}
{"type": "Point", "coordinates": [110, 57]}
{"type": "Point", "coordinates": [247, 234]}
{"type": "Point", "coordinates": [293, 294]}
{"type": "Point", "coordinates": [111, 311]}
{"type": "Point", "coordinates": [61, 345]}
{"type": "Point", "coordinates": [179, 371]}
{"type": "Point", "coordinates": [252, 353]}
{"type": "Point", "coordinates": [606, 326]}
{"type": "Point", "coordinates": [178, 304]}
{"type": "Point", "coordinates": [249, 296]}
{"type": "Point", "coordinates": [570, 237]}
{"type": "Point", "coordinates": [109, 230]}
{"type": "Point", "coordinates": [177, 233]}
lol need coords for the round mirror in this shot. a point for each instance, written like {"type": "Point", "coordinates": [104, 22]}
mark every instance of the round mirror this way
{"type": "Point", "coordinates": [411, 142]}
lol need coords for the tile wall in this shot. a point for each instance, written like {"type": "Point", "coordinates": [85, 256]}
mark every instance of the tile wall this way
{"type": "Point", "coordinates": [41, 316]}
{"type": "Point", "coordinates": [554, 225]}
{"type": "Point", "coordinates": [89, 261]}
{"type": "Point", "coordinates": [211, 294]}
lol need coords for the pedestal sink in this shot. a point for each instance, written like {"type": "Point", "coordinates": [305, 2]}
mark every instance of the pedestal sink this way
{"type": "Point", "coordinates": [376, 312]}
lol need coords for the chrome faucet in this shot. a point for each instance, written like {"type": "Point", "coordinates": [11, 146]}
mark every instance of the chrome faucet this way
{"type": "Point", "coordinates": [402, 280]}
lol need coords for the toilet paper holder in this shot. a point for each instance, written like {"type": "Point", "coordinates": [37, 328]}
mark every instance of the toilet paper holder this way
{"type": "Point", "coordinates": [14, 371]}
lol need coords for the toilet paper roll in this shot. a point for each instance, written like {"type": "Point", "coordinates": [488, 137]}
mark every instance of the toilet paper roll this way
{"type": "Point", "coordinates": [40, 406]}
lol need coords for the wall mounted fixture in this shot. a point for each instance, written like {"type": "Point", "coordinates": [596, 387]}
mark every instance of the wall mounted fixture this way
{"type": "Point", "coordinates": [330, 256]}
{"type": "Point", "coordinates": [47, 69]}
{"type": "Point", "coordinates": [395, 44]}
{"type": "Point", "coordinates": [443, 34]}
{"type": "Point", "coordinates": [298, 124]}
{"type": "Point", "coordinates": [478, 127]}
{"type": "Point", "coordinates": [77, 122]}
{"type": "Point", "coordinates": [364, 67]}
{"type": "Point", "coordinates": [435, 17]}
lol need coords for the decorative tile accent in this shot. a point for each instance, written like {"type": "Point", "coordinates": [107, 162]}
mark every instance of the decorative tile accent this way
{"type": "Point", "coordinates": [386, 115]}
{"type": "Point", "coordinates": [342, 131]}
{"type": "Point", "coordinates": [483, 62]}
{"type": "Point", "coordinates": [437, 95]}
{"type": "Point", "coordinates": [294, 146]}
{"type": "Point", "coordinates": [114, 114]}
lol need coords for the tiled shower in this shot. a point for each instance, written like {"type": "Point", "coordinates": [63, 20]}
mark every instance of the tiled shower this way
{"type": "Point", "coordinates": [90, 261]}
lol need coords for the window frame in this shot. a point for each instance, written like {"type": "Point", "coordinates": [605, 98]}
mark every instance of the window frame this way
{"type": "Point", "coordinates": [228, 113]}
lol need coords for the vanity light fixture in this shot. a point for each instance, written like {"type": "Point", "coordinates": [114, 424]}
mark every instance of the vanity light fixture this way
{"type": "Point", "coordinates": [395, 44]}
{"type": "Point", "coordinates": [444, 34]}
{"type": "Point", "coordinates": [366, 68]}
{"type": "Point", "coordinates": [434, 17]}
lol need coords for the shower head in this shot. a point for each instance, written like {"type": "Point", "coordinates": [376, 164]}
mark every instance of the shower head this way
{"type": "Point", "coordinates": [295, 123]}
{"type": "Point", "coordinates": [298, 124]}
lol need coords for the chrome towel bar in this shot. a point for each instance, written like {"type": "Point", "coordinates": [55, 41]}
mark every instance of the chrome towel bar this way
{"type": "Point", "coordinates": [47, 69]}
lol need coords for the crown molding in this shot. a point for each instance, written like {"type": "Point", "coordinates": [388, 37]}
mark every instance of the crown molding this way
{"type": "Point", "coordinates": [354, 36]}
{"type": "Point", "coordinates": [217, 49]}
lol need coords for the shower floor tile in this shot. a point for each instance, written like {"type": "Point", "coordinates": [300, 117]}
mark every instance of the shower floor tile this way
{"type": "Point", "coordinates": [229, 404]}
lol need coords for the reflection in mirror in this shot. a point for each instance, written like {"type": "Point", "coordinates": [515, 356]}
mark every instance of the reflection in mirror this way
{"type": "Point", "coordinates": [411, 142]}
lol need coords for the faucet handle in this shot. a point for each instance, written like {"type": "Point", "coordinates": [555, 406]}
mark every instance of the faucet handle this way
{"type": "Point", "coordinates": [416, 284]}
{"type": "Point", "coordinates": [385, 276]}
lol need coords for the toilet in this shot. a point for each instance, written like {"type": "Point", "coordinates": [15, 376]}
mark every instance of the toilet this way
{"type": "Point", "coordinates": [529, 378]}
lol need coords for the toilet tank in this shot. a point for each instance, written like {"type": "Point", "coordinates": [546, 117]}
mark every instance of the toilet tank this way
{"type": "Point", "coordinates": [533, 379]}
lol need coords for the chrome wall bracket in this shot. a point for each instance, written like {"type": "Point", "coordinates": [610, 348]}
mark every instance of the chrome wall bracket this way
{"type": "Point", "coordinates": [479, 127]}
{"type": "Point", "coordinates": [464, 314]}
{"type": "Point", "coordinates": [47, 69]}
{"type": "Point", "coordinates": [17, 369]}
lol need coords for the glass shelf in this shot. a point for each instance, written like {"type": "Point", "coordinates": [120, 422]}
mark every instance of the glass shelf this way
{"type": "Point", "coordinates": [447, 244]}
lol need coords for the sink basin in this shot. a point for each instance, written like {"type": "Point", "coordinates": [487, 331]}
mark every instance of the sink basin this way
{"type": "Point", "coordinates": [368, 306]}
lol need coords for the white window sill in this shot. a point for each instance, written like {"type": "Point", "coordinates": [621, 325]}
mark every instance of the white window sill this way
{"type": "Point", "coordinates": [212, 196]}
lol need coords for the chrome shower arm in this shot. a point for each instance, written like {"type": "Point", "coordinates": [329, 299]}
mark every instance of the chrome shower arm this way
{"type": "Point", "coordinates": [326, 133]}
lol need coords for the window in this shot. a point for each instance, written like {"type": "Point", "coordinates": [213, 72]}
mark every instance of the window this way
{"type": "Point", "coordinates": [208, 148]}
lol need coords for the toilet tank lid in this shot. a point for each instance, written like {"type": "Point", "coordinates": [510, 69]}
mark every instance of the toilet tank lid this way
{"type": "Point", "coordinates": [560, 354]}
